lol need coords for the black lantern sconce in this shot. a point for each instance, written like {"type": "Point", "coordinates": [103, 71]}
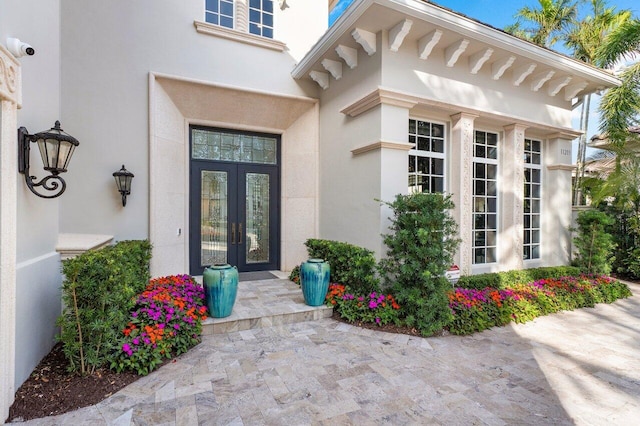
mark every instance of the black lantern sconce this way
{"type": "Point", "coordinates": [123, 182]}
{"type": "Point", "coordinates": [56, 148]}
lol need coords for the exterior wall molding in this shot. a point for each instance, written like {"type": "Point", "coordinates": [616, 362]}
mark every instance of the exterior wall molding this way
{"type": "Point", "coordinates": [10, 78]}
{"type": "Point", "coordinates": [402, 146]}
{"type": "Point", "coordinates": [566, 167]}
{"type": "Point", "coordinates": [71, 245]}
{"type": "Point", "coordinates": [246, 38]}
{"type": "Point", "coordinates": [386, 96]}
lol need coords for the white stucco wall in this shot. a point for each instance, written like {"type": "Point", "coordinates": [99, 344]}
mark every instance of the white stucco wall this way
{"type": "Point", "coordinates": [108, 50]}
{"type": "Point", "coordinates": [38, 265]}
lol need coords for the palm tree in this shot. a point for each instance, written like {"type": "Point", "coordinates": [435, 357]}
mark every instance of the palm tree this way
{"type": "Point", "coordinates": [547, 23]}
{"type": "Point", "coordinates": [583, 40]}
{"type": "Point", "coordinates": [620, 106]}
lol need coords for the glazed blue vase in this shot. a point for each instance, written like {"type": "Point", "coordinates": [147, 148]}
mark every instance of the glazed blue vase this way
{"type": "Point", "coordinates": [314, 280]}
{"type": "Point", "coordinates": [220, 283]}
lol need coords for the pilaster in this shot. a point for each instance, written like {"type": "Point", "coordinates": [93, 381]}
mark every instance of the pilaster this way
{"type": "Point", "coordinates": [10, 98]}
{"type": "Point", "coordinates": [460, 187]}
{"type": "Point", "coordinates": [511, 166]}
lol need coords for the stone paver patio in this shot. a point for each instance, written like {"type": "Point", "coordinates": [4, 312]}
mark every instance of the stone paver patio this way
{"type": "Point", "coordinates": [580, 367]}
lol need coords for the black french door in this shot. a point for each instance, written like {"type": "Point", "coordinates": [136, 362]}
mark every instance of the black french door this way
{"type": "Point", "coordinates": [234, 215]}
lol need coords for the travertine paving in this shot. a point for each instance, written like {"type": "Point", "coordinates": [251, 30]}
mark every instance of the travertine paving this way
{"type": "Point", "coordinates": [580, 367]}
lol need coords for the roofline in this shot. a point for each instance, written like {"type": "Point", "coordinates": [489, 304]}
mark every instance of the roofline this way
{"type": "Point", "coordinates": [447, 18]}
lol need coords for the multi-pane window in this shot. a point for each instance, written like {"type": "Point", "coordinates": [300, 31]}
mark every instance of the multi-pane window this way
{"type": "Point", "coordinates": [532, 198]}
{"type": "Point", "coordinates": [261, 17]}
{"type": "Point", "coordinates": [426, 159]}
{"type": "Point", "coordinates": [219, 12]}
{"type": "Point", "coordinates": [485, 197]}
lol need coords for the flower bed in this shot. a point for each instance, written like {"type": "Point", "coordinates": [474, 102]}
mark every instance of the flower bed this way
{"type": "Point", "coordinates": [476, 310]}
{"type": "Point", "coordinates": [375, 307]}
{"type": "Point", "coordinates": [166, 322]}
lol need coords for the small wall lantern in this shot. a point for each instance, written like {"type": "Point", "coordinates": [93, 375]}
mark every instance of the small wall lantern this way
{"type": "Point", "coordinates": [123, 182]}
{"type": "Point", "coordinates": [56, 148]}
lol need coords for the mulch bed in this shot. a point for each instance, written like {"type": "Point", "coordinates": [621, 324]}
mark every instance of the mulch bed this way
{"type": "Point", "coordinates": [51, 390]}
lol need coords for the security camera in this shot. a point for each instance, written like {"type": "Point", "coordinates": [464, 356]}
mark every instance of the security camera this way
{"type": "Point", "coordinates": [19, 48]}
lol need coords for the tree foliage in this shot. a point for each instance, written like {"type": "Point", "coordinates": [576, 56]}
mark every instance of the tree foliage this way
{"type": "Point", "coordinates": [420, 250]}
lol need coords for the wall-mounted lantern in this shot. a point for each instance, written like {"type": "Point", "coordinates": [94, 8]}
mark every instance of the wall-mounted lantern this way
{"type": "Point", "coordinates": [56, 148]}
{"type": "Point", "coordinates": [123, 182]}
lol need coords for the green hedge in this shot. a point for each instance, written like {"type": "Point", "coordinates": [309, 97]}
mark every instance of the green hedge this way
{"type": "Point", "coordinates": [501, 280]}
{"type": "Point", "coordinates": [99, 291]}
{"type": "Point", "coordinates": [350, 265]}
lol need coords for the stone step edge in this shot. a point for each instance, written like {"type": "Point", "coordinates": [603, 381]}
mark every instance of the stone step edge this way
{"type": "Point", "coordinates": [220, 326]}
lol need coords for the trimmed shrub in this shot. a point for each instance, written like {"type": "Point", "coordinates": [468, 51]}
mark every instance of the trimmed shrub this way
{"type": "Point", "coordinates": [420, 250]}
{"type": "Point", "coordinates": [501, 280]}
{"type": "Point", "coordinates": [594, 244]}
{"type": "Point", "coordinates": [350, 265]}
{"type": "Point", "coordinates": [99, 291]}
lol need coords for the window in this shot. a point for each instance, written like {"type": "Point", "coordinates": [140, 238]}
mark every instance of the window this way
{"type": "Point", "coordinates": [532, 198]}
{"type": "Point", "coordinates": [261, 17]}
{"type": "Point", "coordinates": [485, 197]}
{"type": "Point", "coordinates": [426, 159]}
{"type": "Point", "coordinates": [219, 12]}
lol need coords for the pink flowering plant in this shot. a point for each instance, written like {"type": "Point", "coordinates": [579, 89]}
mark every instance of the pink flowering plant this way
{"type": "Point", "coordinates": [166, 322]}
{"type": "Point", "coordinates": [476, 310]}
{"type": "Point", "coordinates": [375, 307]}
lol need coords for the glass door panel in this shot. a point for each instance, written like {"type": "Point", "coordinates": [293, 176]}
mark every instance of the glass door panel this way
{"type": "Point", "coordinates": [213, 217]}
{"type": "Point", "coordinates": [257, 218]}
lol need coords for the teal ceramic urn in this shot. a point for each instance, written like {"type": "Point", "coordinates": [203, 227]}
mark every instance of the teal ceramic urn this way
{"type": "Point", "coordinates": [314, 280]}
{"type": "Point", "coordinates": [220, 283]}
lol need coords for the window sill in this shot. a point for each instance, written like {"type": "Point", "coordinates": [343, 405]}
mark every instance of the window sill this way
{"type": "Point", "coordinates": [229, 34]}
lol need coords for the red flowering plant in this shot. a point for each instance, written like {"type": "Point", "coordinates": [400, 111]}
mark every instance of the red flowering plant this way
{"type": "Point", "coordinates": [378, 308]}
{"type": "Point", "coordinates": [476, 310]}
{"type": "Point", "coordinates": [166, 321]}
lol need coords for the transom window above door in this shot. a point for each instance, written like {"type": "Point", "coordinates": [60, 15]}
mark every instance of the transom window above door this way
{"type": "Point", "coordinates": [235, 147]}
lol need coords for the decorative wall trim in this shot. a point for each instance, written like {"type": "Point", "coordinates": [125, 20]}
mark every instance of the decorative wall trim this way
{"type": "Point", "coordinates": [10, 78]}
{"type": "Point", "coordinates": [71, 245]}
{"type": "Point", "coordinates": [402, 146]}
{"type": "Point", "coordinates": [386, 96]}
{"type": "Point", "coordinates": [229, 34]}
{"type": "Point", "coordinates": [567, 167]}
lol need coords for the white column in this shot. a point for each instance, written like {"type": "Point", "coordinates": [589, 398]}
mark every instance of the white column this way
{"type": "Point", "coordinates": [10, 86]}
{"type": "Point", "coordinates": [512, 193]}
{"type": "Point", "coordinates": [460, 184]}
{"type": "Point", "coordinates": [242, 16]}
{"type": "Point", "coordinates": [556, 200]}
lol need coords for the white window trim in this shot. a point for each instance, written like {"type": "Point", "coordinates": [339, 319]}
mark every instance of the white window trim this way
{"type": "Point", "coordinates": [487, 266]}
{"type": "Point", "coordinates": [446, 141]}
{"type": "Point", "coordinates": [535, 262]}
{"type": "Point", "coordinates": [242, 37]}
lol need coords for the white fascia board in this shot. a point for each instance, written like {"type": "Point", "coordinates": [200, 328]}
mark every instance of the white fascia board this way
{"type": "Point", "coordinates": [459, 24]}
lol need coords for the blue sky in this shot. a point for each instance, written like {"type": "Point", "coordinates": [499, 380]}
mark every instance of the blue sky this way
{"type": "Point", "coordinates": [499, 13]}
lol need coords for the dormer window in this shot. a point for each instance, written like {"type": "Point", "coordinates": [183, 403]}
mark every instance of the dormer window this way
{"type": "Point", "coordinates": [219, 12]}
{"type": "Point", "coordinates": [261, 17]}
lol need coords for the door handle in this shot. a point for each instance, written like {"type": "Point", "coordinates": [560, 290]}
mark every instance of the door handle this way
{"type": "Point", "coordinates": [233, 233]}
{"type": "Point", "coordinates": [240, 233]}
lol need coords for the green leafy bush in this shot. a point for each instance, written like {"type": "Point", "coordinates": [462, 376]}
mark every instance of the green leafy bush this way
{"type": "Point", "coordinates": [352, 265]}
{"type": "Point", "coordinates": [98, 292]}
{"type": "Point", "coordinates": [502, 280]}
{"type": "Point", "coordinates": [420, 250]}
{"type": "Point", "coordinates": [594, 244]}
{"type": "Point", "coordinates": [479, 309]}
{"type": "Point", "coordinates": [166, 322]}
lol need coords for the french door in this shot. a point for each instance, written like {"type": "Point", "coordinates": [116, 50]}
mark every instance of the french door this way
{"type": "Point", "coordinates": [234, 215]}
